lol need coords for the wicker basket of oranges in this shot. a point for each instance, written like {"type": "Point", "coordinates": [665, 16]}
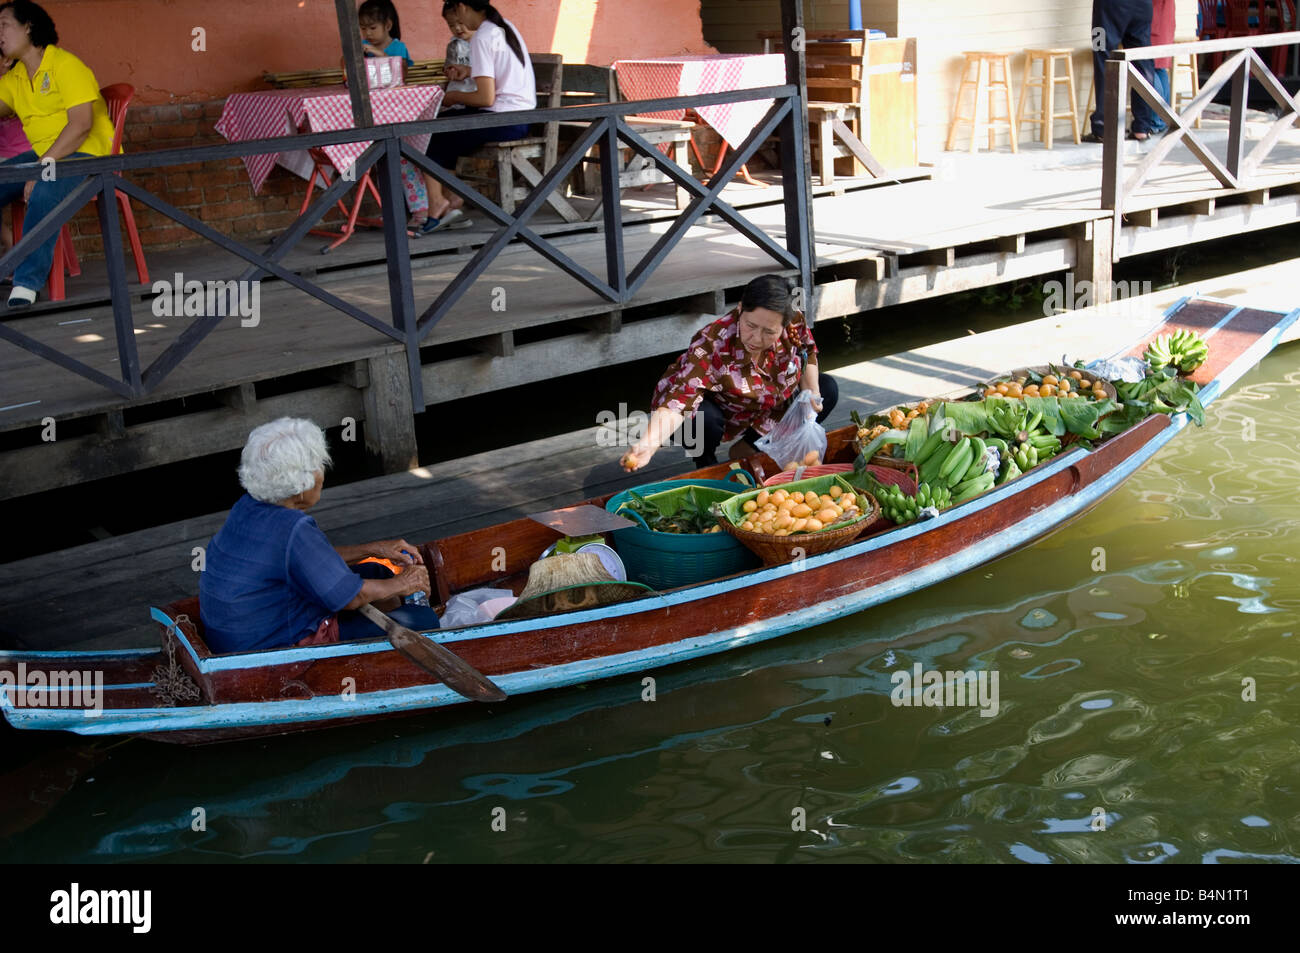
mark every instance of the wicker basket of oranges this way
{"type": "Point", "coordinates": [1050, 381]}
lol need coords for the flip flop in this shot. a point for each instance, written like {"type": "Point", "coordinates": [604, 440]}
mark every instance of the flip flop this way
{"type": "Point", "coordinates": [446, 223]}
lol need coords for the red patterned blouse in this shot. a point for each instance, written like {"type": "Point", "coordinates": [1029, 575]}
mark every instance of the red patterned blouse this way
{"type": "Point", "coordinates": [749, 392]}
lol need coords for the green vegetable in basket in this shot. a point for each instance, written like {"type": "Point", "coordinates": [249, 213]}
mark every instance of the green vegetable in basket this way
{"type": "Point", "coordinates": [682, 510]}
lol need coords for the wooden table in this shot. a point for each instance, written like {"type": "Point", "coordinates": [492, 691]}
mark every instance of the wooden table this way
{"type": "Point", "coordinates": [278, 112]}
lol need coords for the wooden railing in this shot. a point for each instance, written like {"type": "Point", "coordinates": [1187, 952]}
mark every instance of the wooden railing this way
{"type": "Point", "coordinates": [606, 128]}
{"type": "Point", "coordinates": [1237, 168]}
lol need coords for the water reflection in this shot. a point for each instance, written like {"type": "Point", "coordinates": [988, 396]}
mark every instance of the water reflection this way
{"type": "Point", "coordinates": [1147, 714]}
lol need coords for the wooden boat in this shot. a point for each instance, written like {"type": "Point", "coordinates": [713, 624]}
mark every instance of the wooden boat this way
{"type": "Point", "coordinates": [281, 690]}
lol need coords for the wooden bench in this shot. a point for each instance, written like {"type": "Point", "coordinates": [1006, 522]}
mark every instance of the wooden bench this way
{"type": "Point", "coordinates": [519, 156]}
{"type": "Point", "coordinates": [600, 84]}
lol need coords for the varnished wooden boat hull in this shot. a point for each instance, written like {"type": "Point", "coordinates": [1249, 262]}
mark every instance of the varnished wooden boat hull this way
{"type": "Point", "coordinates": [298, 688]}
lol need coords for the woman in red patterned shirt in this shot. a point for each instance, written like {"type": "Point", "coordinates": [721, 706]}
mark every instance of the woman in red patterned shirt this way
{"type": "Point", "coordinates": [738, 376]}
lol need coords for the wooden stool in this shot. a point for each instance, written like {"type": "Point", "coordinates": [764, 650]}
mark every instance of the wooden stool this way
{"type": "Point", "coordinates": [983, 81]}
{"type": "Point", "coordinates": [1185, 63]}
{"type": "Point", "coordinates": [1047, 82]}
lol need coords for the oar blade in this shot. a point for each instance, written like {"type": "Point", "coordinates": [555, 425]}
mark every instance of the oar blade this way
{"type": "Point", "coordinates": [454, 671]}
{"type": "Point", "coordinates": [451, 668]}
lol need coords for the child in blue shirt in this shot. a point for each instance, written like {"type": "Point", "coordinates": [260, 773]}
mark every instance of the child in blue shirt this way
{"type": "Point", "coordinates": [382, 30]}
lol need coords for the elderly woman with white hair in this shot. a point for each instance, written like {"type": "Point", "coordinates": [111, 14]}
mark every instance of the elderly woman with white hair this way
{"type": "Point", "coordinates": [272, 579]}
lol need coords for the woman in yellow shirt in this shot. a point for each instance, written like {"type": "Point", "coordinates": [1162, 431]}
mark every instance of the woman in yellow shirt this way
{"type": "Point", "coordinates": [56, 97]}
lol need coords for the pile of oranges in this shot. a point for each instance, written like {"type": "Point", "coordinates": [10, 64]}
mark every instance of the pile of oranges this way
{"type": "Point", "coordinates": [1072, 385]}
{"type": "Point", "coordinates": [898, 417]}
{"type": "Point", "coordinates": [780, 512]}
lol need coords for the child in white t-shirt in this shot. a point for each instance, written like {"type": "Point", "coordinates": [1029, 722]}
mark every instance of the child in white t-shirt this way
{"type": "Point", "coordinates": [456, 64]}
{"type": "Point", "coordinates": [504, 82]}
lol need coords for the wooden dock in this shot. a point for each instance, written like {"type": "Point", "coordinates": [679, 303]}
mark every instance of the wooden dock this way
{"type": "Point", "coordinates": [104, 604]}
{"type": "Point", "coordinates": [993, 219]}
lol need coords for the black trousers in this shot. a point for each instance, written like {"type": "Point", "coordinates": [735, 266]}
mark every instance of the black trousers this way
{"type": "Point", "coordinates": [1126, 23]}
{"type": "Point", "coordinates": [714, 421]}
{"type": "Point", "coordinates": [446, 147]}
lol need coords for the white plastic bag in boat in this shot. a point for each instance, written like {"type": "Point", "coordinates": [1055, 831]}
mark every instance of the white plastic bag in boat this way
{"type": "Point", "coordinates": [795, 434]}
{"type": "Point", "coordinates": [1130, 369]}
{"type": "Point", "coordinates": [466, 608]}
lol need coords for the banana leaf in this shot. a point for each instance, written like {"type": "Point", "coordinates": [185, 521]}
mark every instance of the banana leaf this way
{"type": "Point", "coordinates": [937, 419]}
{"type": "Point", "coordinates": [869, 451]}
{"type": "Point", "coordinates": [970, 416]}
{"type": "Point", "coordinates": [1050, 408]}
{"type": "Point", "coordinates": [916, 437]}
{"type": "Point", "coordinates": [1081, 416]}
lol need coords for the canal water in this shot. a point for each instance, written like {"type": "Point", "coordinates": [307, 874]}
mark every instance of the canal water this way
{"type": "Point", "coordinates": [1148, 670]}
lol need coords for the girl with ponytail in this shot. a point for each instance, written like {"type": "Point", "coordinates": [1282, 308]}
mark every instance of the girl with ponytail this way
{"type": "Point", "coordinates": [504, 82]}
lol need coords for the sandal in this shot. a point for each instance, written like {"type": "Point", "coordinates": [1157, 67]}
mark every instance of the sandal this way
{"type": "Point", "coordinates": [453, 219]}
{"type": "Point", "coordinates": [415, 227]}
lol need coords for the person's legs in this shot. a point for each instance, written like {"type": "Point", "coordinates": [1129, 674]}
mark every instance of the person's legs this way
{"type": "Point", "coordinates": [11, 192]}
{"type": "Point", "coordinates": [34, 270]}
{"type": "Point", "coordinates": [445, 148]}
{"type": "Point", "coordinates": [1162, 87]}
{"type": "Point", "coordinates": [707, 428]}
{"type": "Point", "coordinates": [353, 625]}
{"type": "Point", "coordinates": [830, 395]}
{"type": "Point", "coordinates": [1103, 17]}
{"type": "Point", "coordinates": [1137, 33]}
{"type": "Point", "coordinates": [417, 197]}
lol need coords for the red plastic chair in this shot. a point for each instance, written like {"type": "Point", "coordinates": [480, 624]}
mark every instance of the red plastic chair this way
{"type": "Point", "coordinates": [116, 97]}
{"type": "Point", "coordinates": [1210, 29]}
{"type": "Point", "coordinates": [1281, 19]}
{"type": "Point", "coordinates": [1240, 20]}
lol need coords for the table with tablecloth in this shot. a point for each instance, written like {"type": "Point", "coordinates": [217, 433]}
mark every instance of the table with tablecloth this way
{"type": "Point", "coordinates": [278, 112]}
{"type": "Point", "coordinates": [667, 76]}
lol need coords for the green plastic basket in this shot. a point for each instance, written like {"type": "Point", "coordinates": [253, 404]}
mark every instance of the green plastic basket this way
{"type": "Point", "coordinates": [669, 560]}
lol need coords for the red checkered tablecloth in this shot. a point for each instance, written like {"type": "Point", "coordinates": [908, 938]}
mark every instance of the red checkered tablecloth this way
{"type": "Point", "coordinates": [279, 112]}
{"type": "Point", "coordinates": [667, 76]}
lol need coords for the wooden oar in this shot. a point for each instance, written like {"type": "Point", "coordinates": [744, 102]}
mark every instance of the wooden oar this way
{"type": "Point", "coordinates": [455, 672]}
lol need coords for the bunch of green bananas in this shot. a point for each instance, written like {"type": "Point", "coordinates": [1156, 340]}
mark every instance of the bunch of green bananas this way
{"type": "Point", "coordinates": [938, 496]}
{"type": "Point", "coordinates": [897, 506]}
{"type": "Point", "coordinates": [1185, 349]}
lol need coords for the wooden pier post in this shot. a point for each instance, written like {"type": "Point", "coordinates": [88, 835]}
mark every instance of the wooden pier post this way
{"type": "Point", "coordinates": [390, 420]}
{"type": "Point", "coordinates": [1093, 257]}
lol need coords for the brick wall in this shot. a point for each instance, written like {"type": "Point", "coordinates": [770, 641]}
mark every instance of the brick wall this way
{"type": "Point", "coordinates": [218, 193]}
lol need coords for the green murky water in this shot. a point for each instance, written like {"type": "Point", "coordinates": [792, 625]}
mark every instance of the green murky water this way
{"type": "Point", "coordinates": [1157, 696]}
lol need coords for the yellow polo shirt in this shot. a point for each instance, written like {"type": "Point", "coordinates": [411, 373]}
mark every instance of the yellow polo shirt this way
{"type": "Point", "coordinates": [42, 103]}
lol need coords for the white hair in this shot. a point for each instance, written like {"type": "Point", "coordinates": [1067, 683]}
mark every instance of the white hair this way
{"type": "Point", "coordinates": [282, 458]}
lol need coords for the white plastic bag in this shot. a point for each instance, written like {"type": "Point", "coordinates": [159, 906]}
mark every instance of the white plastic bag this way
{"type": "Point", "coordinates": [467, 607]}
{"type": "Point", "coordinates": [795, 434]}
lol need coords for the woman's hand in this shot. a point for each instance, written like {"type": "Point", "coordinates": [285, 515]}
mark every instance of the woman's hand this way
{"type": "Point", "coordinates": [398, 550]}
{"type": "Point", "coordinates": [413, 579]}
{"type": "Point", "coordinates": [636, 458]}
{"type": "Point", "coordinates": [815, 400]}
{"type": "Point", "coordinates": [373, 591]}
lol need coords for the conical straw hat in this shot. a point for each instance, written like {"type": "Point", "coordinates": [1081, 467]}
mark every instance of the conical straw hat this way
{"type": "Point", "coordinates": [567, 581]}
